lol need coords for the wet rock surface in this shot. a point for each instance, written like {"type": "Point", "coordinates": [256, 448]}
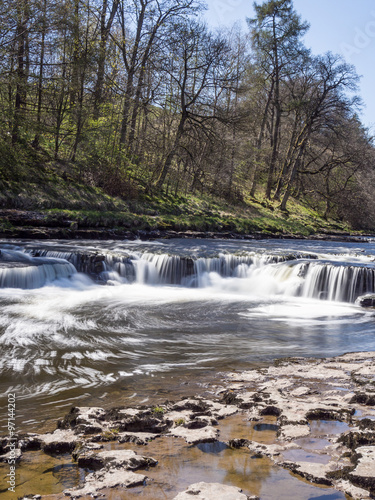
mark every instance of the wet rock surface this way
{"type": "Point", "coordinates": [104, 480]}
{"type": "Point", "coordinates": [330, 391]}
{"type": "Point", "coordinates": [366, 301]}
{"type": "Point", "coordinates": [112, 469]}
{"type": "Point", "coordinates": [205, 491]}
{"type": "Point", "coordinates": [322, 417]}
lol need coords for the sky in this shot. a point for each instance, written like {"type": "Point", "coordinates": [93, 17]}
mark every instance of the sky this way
{"type": "Point", "coordinates": [345, 27]}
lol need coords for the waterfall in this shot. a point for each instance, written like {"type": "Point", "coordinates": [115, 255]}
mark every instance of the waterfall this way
{"type": "Point", "coordinates": [158, 268]}
{"type": "Point", "coordinates": [18, 270]}
{"type": "Point", "coordinates": [338, 282]}
{"type": "Point", "coordinates": [292, 274]}
{"type": "Point", "coordinates": [334, 281]}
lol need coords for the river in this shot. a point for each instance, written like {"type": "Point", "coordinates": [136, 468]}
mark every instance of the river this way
{"type": "Point", "coordinates": [108, 323]}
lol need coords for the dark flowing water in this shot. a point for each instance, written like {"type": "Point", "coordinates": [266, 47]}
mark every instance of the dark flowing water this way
{"type": "Point", "coordinates": [161, 316]}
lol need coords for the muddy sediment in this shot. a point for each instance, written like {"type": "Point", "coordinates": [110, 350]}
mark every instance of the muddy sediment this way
{"type": "Point", "coordinates": [299, 418]}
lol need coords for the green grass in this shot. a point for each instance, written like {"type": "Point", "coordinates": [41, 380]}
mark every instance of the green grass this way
{"type": "Point", "coordinates": [204, 214]}
{"type": "Point", "coordinates": [31, 180]}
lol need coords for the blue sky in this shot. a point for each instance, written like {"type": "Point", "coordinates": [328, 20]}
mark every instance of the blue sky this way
{"type": "Point", "coordinates": [346, 27]}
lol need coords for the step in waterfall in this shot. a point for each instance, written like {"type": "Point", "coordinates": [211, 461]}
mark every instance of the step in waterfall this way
{"type": "Point", "coordinates": [295, 274]}
{"type": "Point", "coordinates": [19, 270]}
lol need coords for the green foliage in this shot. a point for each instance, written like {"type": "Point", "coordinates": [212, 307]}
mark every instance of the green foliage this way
{"type": "Point", "coordinates": [158, 410]}
{"type": "Point", "coordinates": [180, 421]}
{"type": "Point", "coordinates": [109, 435]}
{"type": "Point", "coordinates": [91, 135]}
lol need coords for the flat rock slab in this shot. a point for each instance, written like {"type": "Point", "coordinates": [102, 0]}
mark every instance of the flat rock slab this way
{"type": "Point", "coordinates": [195, 436]}
{"type": "Point", "coordinates": [127, 459]}
{"type": "Point", "coordinates": [364, 473]}
{"type": "Point", "coordinates": [141, 438]}
{"type": "Point", "coordinates": [289, 432]}
{"type": "Point", "coordinates": [101, 480]}
{"type": "Point", "coordinates": [351, 490]}
{"type": "Point", "coordinates": [59, 441]}
{"type": "Point", "coordinates": [314, 472]}
{"type": "Point", "coordinates": [116, 470]}
{"type": "Point", "coordinates": [213, 491]}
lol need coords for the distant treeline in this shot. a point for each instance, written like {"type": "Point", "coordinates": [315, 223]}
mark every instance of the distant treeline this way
{"type": "Point", "coordinates": [139, 95]}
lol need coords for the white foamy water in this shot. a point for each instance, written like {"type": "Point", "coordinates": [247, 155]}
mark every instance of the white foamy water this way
{"type": "Point", "coordinates": [139, 310]}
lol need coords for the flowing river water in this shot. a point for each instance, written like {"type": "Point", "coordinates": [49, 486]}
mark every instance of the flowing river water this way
{"type": "Point", "coordinates": [109, 323]}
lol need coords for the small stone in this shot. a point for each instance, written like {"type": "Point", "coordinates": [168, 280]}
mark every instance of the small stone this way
{"type": "Point", "coordinates": [11, 455]}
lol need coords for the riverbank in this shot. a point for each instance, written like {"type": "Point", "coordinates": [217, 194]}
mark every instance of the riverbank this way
{"type": "Point", "coordinates": [81, 225]}
{"type": "Point", "coordinates": [312, 417]}
{"type": "Point", "coordinates": [50, 203]}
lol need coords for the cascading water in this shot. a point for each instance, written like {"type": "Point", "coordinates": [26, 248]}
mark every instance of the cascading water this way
{"type": "Point", "coordinates": [19, 270]}
{"type": "Point", "coordinates": [290, 274]}
{"type": "Point", "coordinates": [334, 282]}
{"type": "Point", "coordinates": [188, 306]}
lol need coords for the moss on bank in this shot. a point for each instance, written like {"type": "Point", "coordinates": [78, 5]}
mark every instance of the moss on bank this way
{"type": "Point", "coordinates": [50, 188]}
{"type": "Point", "coordinates": [203, 214]}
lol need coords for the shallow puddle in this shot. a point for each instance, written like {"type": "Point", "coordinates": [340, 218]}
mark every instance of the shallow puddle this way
{"type": "Point", "coordinates": [266, 427]}
{"type": "Point", "coordinates": [238, 427]}
{"type": "Point", "coordinates": [180, 465]}
{"type": "Point", "coordinates": [370, 417]}
{"type": "Point", "coordinates": [327, 427]}
{"type": "Point", "coordinates": [311, 444]}
{"type": "Point", "coordinates": [38, 473]}
{"type": "Point", "coordinates": [305, 456]}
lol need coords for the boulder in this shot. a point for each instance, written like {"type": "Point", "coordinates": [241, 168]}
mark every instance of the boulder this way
{"type": "Point", "coordinates": [366, 300]}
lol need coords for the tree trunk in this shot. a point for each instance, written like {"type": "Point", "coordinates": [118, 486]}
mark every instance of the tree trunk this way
{"type": "Point", "coordinates": [259, 142]}
{"type": "Point", "coordinates": [22, 76]}
{"type": "Point", "coordinates": [293, 175]}
{"type": "Point", "coordinates": [275, 143]}
{"type": "Point", "coordinates": [105, 29]}
{"type": "Point", "coordinates": [35, 143]}
{"type": "Point", "coordinates": [276, 131]}
{"type": "Point", "coordinates": [287, 163]}
{"type": "Point", "coordinates": [173, 152]}
{"type": "Point", "coordinates": [129, 92]}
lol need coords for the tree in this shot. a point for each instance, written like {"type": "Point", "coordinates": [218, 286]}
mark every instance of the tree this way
{"type": "Point", "coordinates": [326, 98]}
{"type": "Point", "coordinates": [106, 15]}
{"type": "Point", "coordinates": [194, 69]}
{"type": "Point", "coordinates": [22, 66]}
{"type": "Point", "coordinates": [152, 18]}
{"type": "Point", "coordinates": [276, 35]}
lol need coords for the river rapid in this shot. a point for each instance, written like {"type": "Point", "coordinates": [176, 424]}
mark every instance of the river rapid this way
{"type": "Point", "coordinates": [109, 323]}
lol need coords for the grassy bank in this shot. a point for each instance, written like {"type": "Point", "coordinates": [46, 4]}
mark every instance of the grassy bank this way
{"type": "Point", "coordinates": [50, 192]}
{"type": "Point", "coordinates": [203, 214]}
{"type": "Point", "coordinates": [77, 206]}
